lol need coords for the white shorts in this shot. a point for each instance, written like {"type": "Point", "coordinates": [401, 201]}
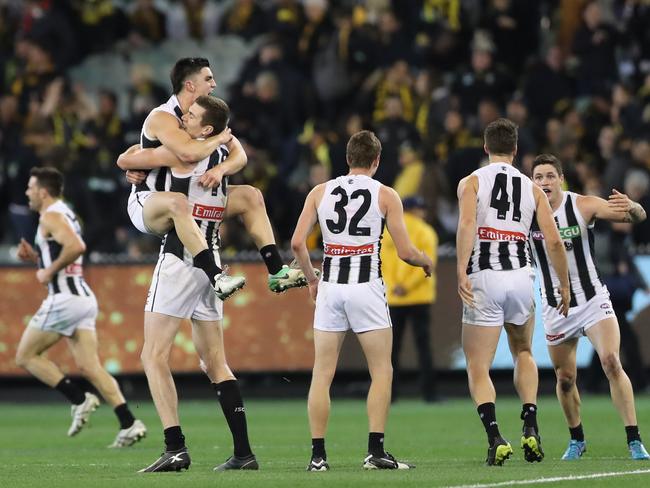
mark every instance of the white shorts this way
{"type": "Point", "coordinates": [559, 329]}
{"type": "Point", "coordinates": [135, 208]}
{"type": "Point", "coordinates": [64, 314]}
{"type": "Point", "coordinates": [181, 290]}
{"type": "Point", "coordinates": [360, 307]}
{"type": "Point", "coordinates": [501, 297]}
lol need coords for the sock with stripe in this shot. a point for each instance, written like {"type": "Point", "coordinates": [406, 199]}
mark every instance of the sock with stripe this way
{"type": "Point", "coordinates": [205, 261]}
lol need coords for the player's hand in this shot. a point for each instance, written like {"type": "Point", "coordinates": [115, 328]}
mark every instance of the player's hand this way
{"type": "Point", "coordinates": [428, 267]}
{"type": "Point", "coordinates": [565, 300]}
{"type": "Point", "coordinates": [43, 276]}
{"type": "Point", "coordinates": [211, 178]}
{"type": "Point", "coordinates": [224, 136]}
{"type": "Point", "coordinates": [465, 289]}
{"type": "Point", "coordinates": [135, 177]}
{"type": "Point", "coordinates": [26, 252]}
{"type": "Point", "coordinates": [619, 202]}
{"type": "Point", "coordinates": [313, 289]}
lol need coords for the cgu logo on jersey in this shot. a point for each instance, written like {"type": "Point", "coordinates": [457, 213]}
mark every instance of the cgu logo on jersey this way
{"type": "Point", "coordinates": [491, 234]}
{"type": "Point", "coordinates": [206, 212]}
{"type": "Point", "coordinates": [343, 250]}
{"type": "Point", "coordinates": [568, 233]}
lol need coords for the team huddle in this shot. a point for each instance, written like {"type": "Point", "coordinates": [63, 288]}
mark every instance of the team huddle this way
{"type": "Point", "coordinates": [181, 193]}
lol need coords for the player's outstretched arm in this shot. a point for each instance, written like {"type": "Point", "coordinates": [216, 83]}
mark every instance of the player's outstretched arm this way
{"type": "Point", "coordinates": [72, 246]}
{"type": "Point", "coordinates": [554, 245]}
{"type": "Point", "coordinates": [466, 235]}
{"type": "Point", "coordinates": [617, 208]}
{"type": "Point", "coordinates": [134, 159]}
{"type": "Point", "coordinates": [390, 202]}
{"type": "Point", "coordinates": [166, 129]}
{"type": "Point", "coordinates": [306, 221]}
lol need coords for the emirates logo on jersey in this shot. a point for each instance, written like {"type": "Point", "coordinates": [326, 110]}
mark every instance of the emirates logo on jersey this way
{"type": "Point", "coordinates": [343, 250]}
{"type": "Point", "coordinates": [206, 212]}
{"type": "Point", "coordinates": [491, 234]}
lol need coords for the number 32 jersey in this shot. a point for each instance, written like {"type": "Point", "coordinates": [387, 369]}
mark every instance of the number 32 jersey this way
{"type": "Point", "coordinates": [505, 210]}
{"type": "Point", "coordinates": [352, 225]}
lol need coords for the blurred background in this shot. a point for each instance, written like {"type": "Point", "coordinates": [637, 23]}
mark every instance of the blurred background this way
{"type": "Point", "coordinates": [78, 77]}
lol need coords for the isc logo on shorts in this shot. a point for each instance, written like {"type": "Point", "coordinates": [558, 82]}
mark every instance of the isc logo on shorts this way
{"type": "Point", "coordinates": [206, 212]}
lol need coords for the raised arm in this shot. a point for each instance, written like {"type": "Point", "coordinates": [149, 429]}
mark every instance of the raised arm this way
{"type": "Point", "coordinates": [166, 128]}
{"type": "Point", "coordinates": [390, 202]}
{"type": "Point", "coordinates": [72, 246]}
{"type": "Point", "coordinates": [136, 158]}
{"type": "Point", "coordinates": [554, 245]}
{"type": "Point", "coordinates": [306, 222]}
{"type": "Point", "coordinates": [617, 208]}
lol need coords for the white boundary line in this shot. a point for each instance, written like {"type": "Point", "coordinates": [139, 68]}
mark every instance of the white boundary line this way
{"type": "Point", "coordinates": [554, 479]}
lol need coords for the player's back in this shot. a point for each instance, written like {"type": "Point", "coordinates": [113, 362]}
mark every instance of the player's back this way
{"type": "Point", "coordinates": [158, 179]}
{"type": "Point", "coordinates": [352, 225]}
{"type": "Point", "coordinates": [505, 210]}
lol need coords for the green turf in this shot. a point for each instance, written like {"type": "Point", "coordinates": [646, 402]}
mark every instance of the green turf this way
{"type": "Point", "coordinates": [445, 440]}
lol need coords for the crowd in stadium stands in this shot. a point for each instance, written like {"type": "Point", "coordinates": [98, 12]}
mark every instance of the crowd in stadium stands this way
{"type": "Point", "coordinates": [426, 75]}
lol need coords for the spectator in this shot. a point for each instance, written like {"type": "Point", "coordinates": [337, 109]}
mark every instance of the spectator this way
{"type": "Point", "coordinates": [245, 18]}
{"type": "Point", "coordinates": [147, 23]}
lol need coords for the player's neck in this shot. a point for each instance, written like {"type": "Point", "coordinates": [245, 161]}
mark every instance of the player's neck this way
{"type": "Point", "coordinates": [555, 203]}
{"type": "Point", "coordinates": [360, 171]}
{"type": "Point", "coordinates": [185, 100]}
{"type": "Point", "coordinates": [501, 158]}
{"type": "Point", "coordinates": [47, 203]}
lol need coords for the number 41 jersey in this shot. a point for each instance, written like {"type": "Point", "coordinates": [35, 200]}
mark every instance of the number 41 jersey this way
{"type": "Point", "coordinates": [505, 210]}
{"type": "Point", "coordinates": [352, 226]}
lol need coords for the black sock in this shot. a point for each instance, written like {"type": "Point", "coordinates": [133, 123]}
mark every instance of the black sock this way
{"type": "Point", "coordinates": [576, 433]}
{"type": "Point", "coordinates": [318, 448]}
{"type": "Point", "coordinates": [632, 432]}
{"type": "Point", "coordinates": [174, 438]}
{"type": "Point", "coordinates": [376, 443]}
{"type": "Point", "coordinates": [205, 261]}
{"type": "Point", "coordinates": [124, 416]}
{"type": "Point", "coordinates": [529, 415]}
{"type": "Point", "coordinates": [233, 409]}
{"type": "Point", "coordinates": [487, 412]}
{"type": "Point", "coordinates": [271, 258]}
{"type": "Point", "coordinates": [71, 391]}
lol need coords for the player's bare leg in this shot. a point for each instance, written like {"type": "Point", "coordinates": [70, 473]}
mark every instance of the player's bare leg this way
{"type": "Point", "coordinates": [606, 339]}
{"type": "Point", "coordinates": [479, 346]}
{"type": "Point", "coordinates": [520, 338]}
{"type": "Point", "coordinates": [83, 346]}
{"type": "Point", "coordinates": [29, 355]}
{"type": "Point", "coordinates": [164, 211]}
{"type": "Point", "coordinates": [159, 333]}
{"type": "Point", "coordinates": [563, 357]}
{"type": "Point", "coordinates": [208, 340]}
{"type": "Point", "coordinates": [327, 346]}
{"type": "Point", "coordinates": [247, 202]}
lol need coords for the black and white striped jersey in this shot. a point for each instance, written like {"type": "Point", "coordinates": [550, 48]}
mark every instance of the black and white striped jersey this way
{"type": "Point", "coordinates": [158, 179]}
{"type": "Point", "coordinates": [352, 225]}
{"type": "Point", "coordinates": [70, 279]}
{"type": "Point", "coordinates": [208, 205]}
{"type": "Point", "coordinates": [505, 208]}
{"type": "Point", "coordinates": [578, 238]}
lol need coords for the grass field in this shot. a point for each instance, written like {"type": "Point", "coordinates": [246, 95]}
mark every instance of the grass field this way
{"type": "Point", "coordinates": [446, 441]}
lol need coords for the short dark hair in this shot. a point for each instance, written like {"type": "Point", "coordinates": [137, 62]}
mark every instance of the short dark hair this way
{"type": "Point", "coordinates": [501, 137]}
{"type": "Point", "coordinates": [49, 178]}
{"type": "Point", "coordinates": [362, 149]}
{"type": "Point", "coordinates": [217, 112]}
{"type": "Point", "coordinates": [184, 68]}
{"type": "Point", "coordinates": [548, 159]}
